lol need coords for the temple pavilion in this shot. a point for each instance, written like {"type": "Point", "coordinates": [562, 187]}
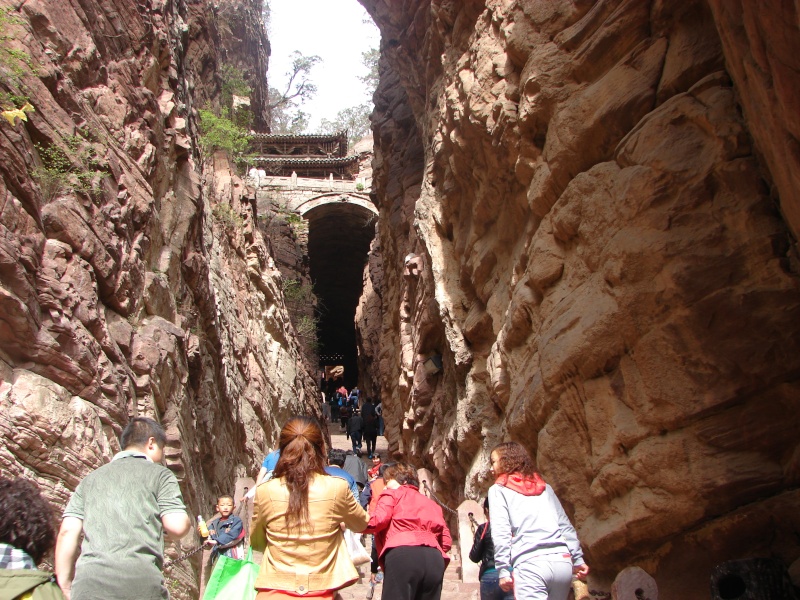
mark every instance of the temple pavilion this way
{"type": "Point", "coordinates": [312, 156]}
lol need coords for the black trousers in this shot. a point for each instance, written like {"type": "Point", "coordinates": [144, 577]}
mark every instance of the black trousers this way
{"type": "Point", "coordinates": [369, 440]}
{"type": "Point", "coordinates": [413, 573]}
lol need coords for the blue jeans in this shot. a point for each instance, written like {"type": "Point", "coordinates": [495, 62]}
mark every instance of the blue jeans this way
{"type": "Point", "coordinates": [490, 588]}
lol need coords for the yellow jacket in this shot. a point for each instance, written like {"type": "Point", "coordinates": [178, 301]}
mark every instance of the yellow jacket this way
{"type": "Point", "coordinates": [308, 559]}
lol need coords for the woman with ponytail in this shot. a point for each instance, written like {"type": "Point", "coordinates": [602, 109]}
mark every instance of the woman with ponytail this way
{"type": "Point", "coordinates": [296, 521]}
{"type": "Point", "coordinates": [533, 537]}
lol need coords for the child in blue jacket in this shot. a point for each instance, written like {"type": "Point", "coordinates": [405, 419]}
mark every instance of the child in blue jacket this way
{"type": "Point", "coordinates": [226, 533]}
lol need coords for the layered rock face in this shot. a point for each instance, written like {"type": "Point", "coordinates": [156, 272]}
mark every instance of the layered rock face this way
{"type": "Point", "coordinates": [574, 218]}
{"type": "Point", "coordinates": [139, 285]}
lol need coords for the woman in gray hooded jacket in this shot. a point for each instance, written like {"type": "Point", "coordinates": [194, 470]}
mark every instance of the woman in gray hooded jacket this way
{"type": "Point", "coordinates": [544, 552]}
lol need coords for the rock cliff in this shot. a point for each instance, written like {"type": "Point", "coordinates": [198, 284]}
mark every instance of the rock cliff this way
{"type": "Point", "coordinates": [580, 220]}
{"type": "Point", "coordinates": [133, 277]}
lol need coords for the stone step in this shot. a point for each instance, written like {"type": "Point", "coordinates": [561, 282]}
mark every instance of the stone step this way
{"type": "Point", "coordinates": [451, 590]}
{"type": "Point", "coordinates": [460, 587]}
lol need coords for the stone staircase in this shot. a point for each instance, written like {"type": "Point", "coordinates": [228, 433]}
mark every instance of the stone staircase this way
{"type": "Point", "coordinates": [452, 589]}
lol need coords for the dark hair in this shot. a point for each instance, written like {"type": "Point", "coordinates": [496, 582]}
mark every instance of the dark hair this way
{"type": "Point", "coordinates": [302, 455]}
{"type": "Point", "coordinates": [336, 457]}
{"type": "Point", "coordinates": [27, 522]}
{"type": "Point", "coordinates": [383, 467]}
{"type": "Point", "coordinates": [226, 497]}
{"type": "Point", "coordinates": [513, 458]}
{"type": "Point", "coordinates": [141, 429]}
{"type": "Point", "coordinates": [402, 473]}
{"type": "Point", "coordinates": [486, 503]}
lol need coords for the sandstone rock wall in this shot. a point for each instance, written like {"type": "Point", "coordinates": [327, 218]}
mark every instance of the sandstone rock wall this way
{"type": "Point", "coordinates": [574, 216]}
{"type": "Point", "coordinates": [762, 55]}
{"type": "Point", "coordinates": [287, 236]}
{"type": "Point", "coordinates": [143, 287]}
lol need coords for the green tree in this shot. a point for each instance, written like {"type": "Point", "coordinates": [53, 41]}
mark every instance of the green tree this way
{"type": "Point", "coordinates": [220, 133]}
{"type": "Point", "coordinates": [284, 106]}
{"type": "Point", "coordinates": [370, 61]}
{"type": "Point", "coordinates": [233, 84]}
{"type": "Point", "coordinates": [355, 120]}
{"type": "Point", "coordinates": [286, 118]}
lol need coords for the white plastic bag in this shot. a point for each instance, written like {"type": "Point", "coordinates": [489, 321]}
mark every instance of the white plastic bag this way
{"type": "Point", "coordinates": [358, 554]}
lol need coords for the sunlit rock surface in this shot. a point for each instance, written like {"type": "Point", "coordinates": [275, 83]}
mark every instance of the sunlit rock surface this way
{"type": "Point", "coordinates": [155, 293]}
{"type": "Point", "coordinates": [574, 216]}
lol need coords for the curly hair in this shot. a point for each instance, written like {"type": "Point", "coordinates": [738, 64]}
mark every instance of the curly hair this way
{"type": "Point", "coordinates": [302, 455]}
{"type": "Point", "coordinates": [337, 457]}
{"type": "Point", "coordinates": [402, 473]}
{"type": "Point", "coordinates": [27, 522]}
{"type": "Point", "coordinates": [513, 458]}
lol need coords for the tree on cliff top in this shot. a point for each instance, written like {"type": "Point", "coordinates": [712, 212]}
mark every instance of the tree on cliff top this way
{"type": "Point", "coordinates": [355, 120]}
{"type": "Point", "coordinates": [284, 106]}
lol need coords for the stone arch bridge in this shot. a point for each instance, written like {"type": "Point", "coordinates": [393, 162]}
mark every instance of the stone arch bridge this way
{"type": "Point", "coordinates": [340, 216]}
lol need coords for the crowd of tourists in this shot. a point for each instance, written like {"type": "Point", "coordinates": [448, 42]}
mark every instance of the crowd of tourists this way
{"type": "Point", "coordinates": [310, 509]}
{"type": "Point", "coordinates": [361, 420]}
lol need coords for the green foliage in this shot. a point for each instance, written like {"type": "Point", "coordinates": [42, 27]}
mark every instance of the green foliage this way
{"type": "Point", "coordinates": [370, 61]}
{"type": "Point", "coordinates": [359, 187]}
{"type": "Point", "coordinates": [355, 120]}
{"type": "Point", "coordinates": [14, 64]}
{"type": "Point", "coordinates": [294, 219]}
{"type": "Point", "coordinates": [307, 327]}
{"type": "Point", "coordinates": [284, 106]}
{"type": "Point", "coordinates": [10, 101]}
{"type": "Point", "coordinates": [226, 216]}
{"type": "Point", "coordinates": [80, 169]}
{"type": "Point", "coordinates": [300, 300]}
{"type": "Point", "coordinates": [17, 61]}
{"type": "Point", "coordinates": [297, 293]}
{"type": "Point", "coordinates": [286, 118]}
{"type": "Point", "coordinates": [233, 84]}
{"type": "Point", "coordinates": [220, 133]}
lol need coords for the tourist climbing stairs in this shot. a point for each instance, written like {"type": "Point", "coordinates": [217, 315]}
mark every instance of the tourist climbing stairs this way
{"type": "Point", "coordinates": [453, 587]}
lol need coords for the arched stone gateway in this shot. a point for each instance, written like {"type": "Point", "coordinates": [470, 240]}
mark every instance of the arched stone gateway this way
{"type": "Point", "coordinates": [339, 237]}
{"type": "Point", "coordinates": [295, 178]}
{"type": "Point", "coordinates": [361, 200]}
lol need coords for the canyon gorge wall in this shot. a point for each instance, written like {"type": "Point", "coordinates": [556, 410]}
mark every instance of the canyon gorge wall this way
{"type": "Point", "coordinates": [138, 284]}
{"type": "Point", "coordinates": [587, 212]}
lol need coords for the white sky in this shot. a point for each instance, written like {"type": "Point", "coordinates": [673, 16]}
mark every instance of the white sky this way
{"type": "Point", "coordinates": [333, 30]}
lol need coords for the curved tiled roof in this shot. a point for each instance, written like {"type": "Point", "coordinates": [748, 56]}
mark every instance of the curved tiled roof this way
{"type": "Point", "coordinates": [305, 161]}
{"type": "Point", "coordinates": [310, 137]}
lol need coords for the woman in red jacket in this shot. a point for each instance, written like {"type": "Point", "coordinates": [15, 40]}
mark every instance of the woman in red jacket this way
{"type": "Point", "coordinates": [411, 536]}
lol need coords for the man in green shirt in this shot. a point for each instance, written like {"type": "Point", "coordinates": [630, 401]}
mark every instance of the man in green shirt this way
{"type": "Point", "coordinates": [122, 509]}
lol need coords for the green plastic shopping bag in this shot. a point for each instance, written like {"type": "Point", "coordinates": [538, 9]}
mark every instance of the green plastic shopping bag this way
{"type": "Point", "coordinates": [233, 579]}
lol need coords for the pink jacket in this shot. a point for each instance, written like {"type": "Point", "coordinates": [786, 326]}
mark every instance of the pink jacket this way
{"type": "Point", "coordinates": [404, 517]}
